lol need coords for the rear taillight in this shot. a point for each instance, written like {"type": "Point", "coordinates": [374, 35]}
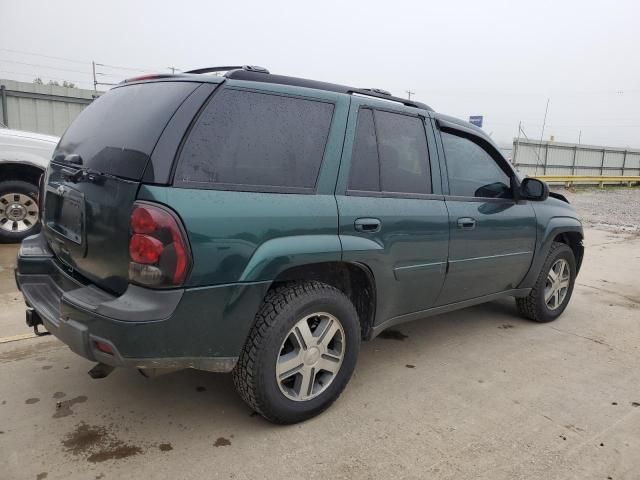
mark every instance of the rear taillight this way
{"type": "Point", "coordinates": [158, 247]}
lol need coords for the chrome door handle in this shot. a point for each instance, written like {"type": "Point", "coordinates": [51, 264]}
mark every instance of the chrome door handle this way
{"type": "Point", "coordinates": [466, 223]}
{"type": "Point", "coordinates": [367, 225]}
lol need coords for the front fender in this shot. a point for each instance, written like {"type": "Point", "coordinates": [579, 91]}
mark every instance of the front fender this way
{"type": "Point", "coordinates": [546, 234]}
{"type": "Point", "coordinates": [279, 254]}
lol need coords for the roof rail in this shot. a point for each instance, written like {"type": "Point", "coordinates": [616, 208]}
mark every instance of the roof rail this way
{"type": "Point", "coordinates": [259, 74]}
{"type": "Point", "coordinates": [378, 91]}
{"type": "Point", "coordinates": [248, 68]}
{"type": "Point", "coordinates": [384, 95]}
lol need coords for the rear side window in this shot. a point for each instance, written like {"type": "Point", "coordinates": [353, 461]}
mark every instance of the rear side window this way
{"type": "Point", "coordinates": [365, 167]}
{"type": "Point", "coordinates": [118, 131]}
{"type": "Point", "coordinates": [390, 154]}
{"type": "Point", "coordinates": [472, 170]}
{"type": "Point", "coordinates": [258, 142]}
{"type": "Point", "coordinates": [404, 158]}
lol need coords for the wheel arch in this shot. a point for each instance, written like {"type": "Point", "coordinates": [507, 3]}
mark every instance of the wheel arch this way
{"type": "Point", "coordinates": [568, 230]}
{"type": "Point", "coordinates": [355, 280]}
{"type": "Point", "coordinates": [25, 172]}
{"type": "Point", "coordinates": [573, 240]}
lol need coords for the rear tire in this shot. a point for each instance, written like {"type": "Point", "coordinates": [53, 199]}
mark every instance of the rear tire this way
{"type": "Point", "coordinates": [553, 288]}
{"type": "Point", "coordinates": [19, 214]}
{"type": "Point", "coordinates": [281, 370]}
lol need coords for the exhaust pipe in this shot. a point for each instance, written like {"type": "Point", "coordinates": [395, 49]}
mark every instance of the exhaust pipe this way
{"type": "Point", "coordinates": [101, 370]}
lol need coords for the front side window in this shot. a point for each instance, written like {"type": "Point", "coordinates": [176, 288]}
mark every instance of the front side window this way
{"type": "Point", "coordinates": [261, 141]}
{"type": "Point", "coordinates": [472, 170]}
{"type": "Point", "coordinates": [390, 154]}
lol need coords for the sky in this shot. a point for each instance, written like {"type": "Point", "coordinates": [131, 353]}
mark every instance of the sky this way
{"type": "Point", "coordinates": [499, 59]}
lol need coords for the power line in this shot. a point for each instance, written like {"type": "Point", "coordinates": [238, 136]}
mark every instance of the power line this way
{"type": "Point", "coordinates": [40, 65]}
{"type": "Point", "coordinates": [33, 76]}
{"type": "Point", "coordinates": [82, 62]}
{"type": "Point", "coordinates": [45, 56]}
{"type": "Point", "coordinates": [116, 67]}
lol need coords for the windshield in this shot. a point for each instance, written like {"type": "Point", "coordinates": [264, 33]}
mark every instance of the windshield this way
{"type": "Point", "coordinates": [118, 131]}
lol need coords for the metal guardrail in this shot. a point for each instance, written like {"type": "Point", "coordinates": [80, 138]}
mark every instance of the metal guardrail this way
{"type": "Point", "coordinates": [559, 159]}
{"type": "Point", "coordinates": [589, 179]}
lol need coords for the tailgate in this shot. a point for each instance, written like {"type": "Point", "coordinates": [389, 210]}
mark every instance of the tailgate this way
{"type": "Point", "coordinates": [87, 225]}
{"type": "Point", "coordinates": [93, 180]}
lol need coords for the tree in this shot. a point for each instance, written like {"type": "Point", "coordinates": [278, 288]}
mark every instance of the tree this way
{"type": "Point", "coordinates": [39, 81]}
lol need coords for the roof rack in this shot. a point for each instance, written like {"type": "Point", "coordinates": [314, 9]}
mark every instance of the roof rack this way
{"type": "Point", "coordinates": [259, 74]}
{"type": "Point", "coordinates": [248, 68]}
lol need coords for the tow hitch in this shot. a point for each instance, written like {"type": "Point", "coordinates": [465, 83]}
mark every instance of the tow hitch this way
{"type": "Point", "coordinates": [33, 320]}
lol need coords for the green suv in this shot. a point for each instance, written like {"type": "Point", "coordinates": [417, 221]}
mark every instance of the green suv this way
{"type": "Point", "coordinates": [264, 225]}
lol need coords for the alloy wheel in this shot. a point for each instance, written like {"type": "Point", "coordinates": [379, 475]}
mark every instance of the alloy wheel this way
{"type": "Point", "coordinates": [557, 285]}
{"type": "Point", "coordinates": [310, 356]}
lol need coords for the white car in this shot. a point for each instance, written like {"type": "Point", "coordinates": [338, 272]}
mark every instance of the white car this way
{"type": "Point", "coordinates": [24, 156]}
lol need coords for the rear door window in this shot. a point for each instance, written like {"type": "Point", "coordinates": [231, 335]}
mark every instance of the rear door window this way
{"type": "Point", "coordinates": [118, 131]}
{"type": "Point", "coordinates": [404, 157]}
{"type": "Point", "coordinates": [365, 166]}
{"type": "Point", "coordinates": [390, 154]}
{"type": "Point", "coordinates": [254, 141]}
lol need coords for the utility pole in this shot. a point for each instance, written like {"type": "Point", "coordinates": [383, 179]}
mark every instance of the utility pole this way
{"type": "Point", "coordinates": [95, 81]}
{"type": "Point", "coordinates": [515, 152]}
{"type": "Point", "coordinates": [579, 137]}
{"type": "Point", "coordinates": [409, 93]}
{"type": "Point", "coordinates": [544, 123]}
{"type": "Point", "coordinates": [173, 70]}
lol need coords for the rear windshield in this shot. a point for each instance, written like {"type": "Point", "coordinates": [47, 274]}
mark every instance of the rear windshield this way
{"type": "Point", "coordinates": [118, 131]}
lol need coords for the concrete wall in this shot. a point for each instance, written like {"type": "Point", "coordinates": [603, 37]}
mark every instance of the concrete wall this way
{"type": "Point", "coordinates": [554, 158]}
{"type": "Point", "coordinates": [41, 108]}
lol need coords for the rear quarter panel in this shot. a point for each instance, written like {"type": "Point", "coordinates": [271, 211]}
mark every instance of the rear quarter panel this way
{"type": "Point", "coordinates": [247, 236]}
{"type": "Point", "coordinates": [240, 236]}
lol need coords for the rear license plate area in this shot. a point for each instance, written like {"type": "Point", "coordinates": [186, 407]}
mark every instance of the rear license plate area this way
{"type": "Point", "coordinates": [65, 212]}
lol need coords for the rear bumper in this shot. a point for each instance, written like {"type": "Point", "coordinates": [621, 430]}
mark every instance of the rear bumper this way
{"type": "Point", "coordinates": [203, 328]}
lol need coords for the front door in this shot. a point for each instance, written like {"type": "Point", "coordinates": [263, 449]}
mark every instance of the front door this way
{"type": "Point", "coordinates": [392, 212]}
{"type": "Point", "coordinates": [492, 236]}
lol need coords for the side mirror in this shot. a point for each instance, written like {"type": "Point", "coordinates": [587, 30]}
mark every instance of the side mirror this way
{"type": "Point", "coordinates": [534, 189]}
{"type": "Point", "coordinates": [493, 190]}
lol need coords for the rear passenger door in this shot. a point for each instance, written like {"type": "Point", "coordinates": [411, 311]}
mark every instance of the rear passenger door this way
{"type": "Point", "coordinates": [492, 235]}
{"type": "Point", "coordinates": [392, 212]}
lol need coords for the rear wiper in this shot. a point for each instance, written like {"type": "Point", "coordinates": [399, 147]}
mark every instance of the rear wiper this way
{"type": "Point", "coordinates": [82, 174]}
{"type": "Point", "coordinates": [72, 158]}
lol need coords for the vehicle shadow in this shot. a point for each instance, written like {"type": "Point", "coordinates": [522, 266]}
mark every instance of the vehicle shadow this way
{"type": "Point", "coordinates": [183, 399]}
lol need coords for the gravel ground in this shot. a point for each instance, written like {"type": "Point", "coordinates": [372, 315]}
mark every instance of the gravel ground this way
{"type": "Point", "coordinates": [613, 208]}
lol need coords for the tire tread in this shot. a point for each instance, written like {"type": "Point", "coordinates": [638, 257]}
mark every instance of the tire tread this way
{"type": "Point", "coordinates": [527, 305]}
{"type": "Point", "coordinates": [276, 300]}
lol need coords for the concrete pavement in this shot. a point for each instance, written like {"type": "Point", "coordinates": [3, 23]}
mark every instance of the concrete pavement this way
{"type": "Point", "coordinates": [479, 393]}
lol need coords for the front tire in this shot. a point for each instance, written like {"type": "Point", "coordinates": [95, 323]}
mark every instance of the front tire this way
{"type": "Point", "coordinates": [554, 286]}
{"type": "Point", "coordinates": [300, 353]}
{"type": "Point", "coordinates": [19, 214]}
